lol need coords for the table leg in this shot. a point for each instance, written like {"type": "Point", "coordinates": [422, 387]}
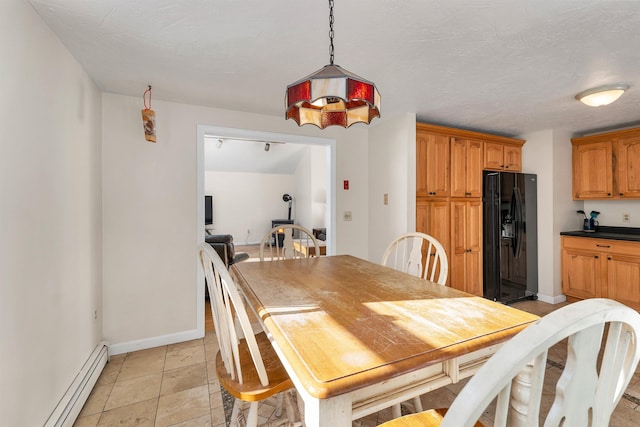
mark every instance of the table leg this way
{"type": "Point", "coordinates": [334, 412]}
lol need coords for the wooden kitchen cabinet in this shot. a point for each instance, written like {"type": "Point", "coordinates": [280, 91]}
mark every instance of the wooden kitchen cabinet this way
{"type": "Point", "coordinates": [503, 157]}
{"type": "Point", "coordinates": [449, 164]}
{"type": "Point", "coordinates": [466, 167]}
{"type": "Point", "coordinates": [594, 268]}
{"type": "Point", "coordinates": [432, 164]}
{"type": "Point", "coordinates": [593, 170]}
{"type": "Point", "coordinates": [607, 165]}
{"type": "Point", "coordinates": [432, 217]}
{"type": "Point", "coordinates": [628, 166]}
{"type": "Point", "coordinates": [466, 246]}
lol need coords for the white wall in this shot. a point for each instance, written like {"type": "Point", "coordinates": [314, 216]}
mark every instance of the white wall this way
{"type": "Point", "coordinates": [310, 194]}
{"type": "Point", "coordinates": [50, 221]}
{"type": "Point", "coordinates": [611, 212]}
{"type": "Point", "coordinates": [247, 201]}
{"type": "Point", "coordinates": [150, 208]}
{"type": "Point", "coordinates": [548, 154]}
{"type": "Point", "coordinates": [318, 191]}
{"type": "Point", "coordinates": [391, 171]}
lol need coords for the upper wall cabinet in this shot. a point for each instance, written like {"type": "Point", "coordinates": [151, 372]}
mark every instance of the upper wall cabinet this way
{"type": "Point", "coordinates": [432, 163]}
{"type": "Point", "coordinates": [466, 167]}
{"type": "Point", "coordinates": [607, 165]}
{"type": "Point", "coordinates": [503, 157]}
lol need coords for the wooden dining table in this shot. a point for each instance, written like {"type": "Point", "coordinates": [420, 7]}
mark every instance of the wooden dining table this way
{"type": "Point", "coordinates": [357, 337]}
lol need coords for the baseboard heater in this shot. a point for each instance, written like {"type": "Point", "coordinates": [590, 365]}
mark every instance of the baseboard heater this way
{"type": "Point", "coordinates": [71, 403]}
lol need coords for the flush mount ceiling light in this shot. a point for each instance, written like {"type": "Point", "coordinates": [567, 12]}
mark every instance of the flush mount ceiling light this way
{"type": "Point", "coordinates": [332, 95]}
{"type": "Point", "coordinates": [602, 95]}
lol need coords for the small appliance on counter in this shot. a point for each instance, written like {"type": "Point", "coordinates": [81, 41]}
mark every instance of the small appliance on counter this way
{"type": "Point", "coordinates": [590, 223]}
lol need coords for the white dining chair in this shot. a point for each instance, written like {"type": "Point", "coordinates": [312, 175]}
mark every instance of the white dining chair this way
{"type": "Point", "coordinates": [603, 348]}
{"type": "Point", "coordinates": [418, 254]}
{"type": "Point", "coordinates": [288, 241]}
{"type": "Point", "coordinates": [246, 364]}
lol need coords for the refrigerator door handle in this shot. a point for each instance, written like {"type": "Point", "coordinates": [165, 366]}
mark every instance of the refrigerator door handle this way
{"type": "Point", "coordinates": [519, 223]}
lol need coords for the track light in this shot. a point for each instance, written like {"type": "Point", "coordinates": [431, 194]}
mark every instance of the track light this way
{"type": "Point", "coordinates": [267, 146]}
{"type": "Point", "coordinates": [219, 143]}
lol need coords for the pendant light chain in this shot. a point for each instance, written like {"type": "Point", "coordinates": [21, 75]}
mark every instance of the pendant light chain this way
{"type": "Point", "coordinates": [331, 32]}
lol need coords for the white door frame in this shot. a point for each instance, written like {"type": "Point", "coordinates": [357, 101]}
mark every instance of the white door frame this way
{"type": "Point", "coordinates": [203, 130]}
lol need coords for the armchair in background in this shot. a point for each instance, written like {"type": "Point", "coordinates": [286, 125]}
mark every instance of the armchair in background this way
{"type": "Point", "coordinates": [223, 245]}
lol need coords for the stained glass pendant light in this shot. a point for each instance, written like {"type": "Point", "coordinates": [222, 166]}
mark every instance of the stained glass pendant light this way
{"type": "Point", "coordinates": [332, 95]}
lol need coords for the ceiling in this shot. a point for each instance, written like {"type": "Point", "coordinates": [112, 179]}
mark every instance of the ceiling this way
{"type": "Point", "coordinates": [504, 66]}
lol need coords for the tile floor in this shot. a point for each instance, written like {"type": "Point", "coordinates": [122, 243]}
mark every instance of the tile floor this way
{"type": "Point", "coordinates": [176, 385]}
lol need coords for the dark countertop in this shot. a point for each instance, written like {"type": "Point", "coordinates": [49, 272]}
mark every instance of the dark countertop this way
{"type": "Point", "coordinates": [614, 233]}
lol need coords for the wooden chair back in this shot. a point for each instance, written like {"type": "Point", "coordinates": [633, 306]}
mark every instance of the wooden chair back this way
{"type": "Point", "coordinates": [603, 348]}
{"type": "Point", "coordinates": [230, 318]}
{"type": "Point", "coordinates": [288, 241]}
{"type": "Point", "coordinates": [420, 255]}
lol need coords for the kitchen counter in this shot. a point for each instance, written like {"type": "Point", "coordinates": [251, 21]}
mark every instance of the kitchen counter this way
{"type": "Point", "coordinates": [613, 233]}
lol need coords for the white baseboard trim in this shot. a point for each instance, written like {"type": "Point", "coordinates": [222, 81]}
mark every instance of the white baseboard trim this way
{"type": "Point", "coordinates": [145, 343]}
{"type": "Point", "coordinates": [69, 407]}
{"type": "Point", "coordinates": [552, 300]}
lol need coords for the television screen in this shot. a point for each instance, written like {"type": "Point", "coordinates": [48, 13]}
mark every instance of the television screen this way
{"type": "Point", "coordinates": [208, 210]}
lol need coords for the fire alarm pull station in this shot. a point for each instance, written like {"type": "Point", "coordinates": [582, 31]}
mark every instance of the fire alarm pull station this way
{"type": "Point", "coordinates": [346, 184]}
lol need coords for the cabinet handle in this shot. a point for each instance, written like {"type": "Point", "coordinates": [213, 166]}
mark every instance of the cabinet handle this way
{"type": "Point", "coordinates": [603, 246]}
{"type": "Point", "coordinates": [622, 194]}
{"type": "Point", "coordinates": [506, 167]}
{"type": "Point", "coordinates": [596, 256]}
{"type": "Point", "coordinates": [467, 194]}
{"type": "Point", "coordinates": [609, 258]}
{"type": "Point", "coordinates": [608, 194]}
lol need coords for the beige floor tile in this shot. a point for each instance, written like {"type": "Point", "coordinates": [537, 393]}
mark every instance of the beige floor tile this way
{"type": "Point", "coordinates": [141, 414]}
{"type": "Point", "coordinates": [88, 421]}
{"type": "Point", "coordinates": [183, 378]}
{"type": "Point", "coordinates": [185, 344]}
{"type": "Point", "coordinates": [210, 350]}
{"type": "Point", "coordinates": [182, 406]}
{"type": "Point", "coordinates": [141, 366]}
{"type": "Point", "coordinates": [111, 370]}
{"type": "Point", "coordinates": [134, 390]}
{"type": "Point", "coordinates": [96, 401]}
{"type": "Point", "coordinates": [203, 421]}
{"type": "Point", "coordinates": [211, 371]}
{"type": "Point", "coordinates": [184, 357]}
{"type": "Point", "coordinates": [215, 398]}
{"type": "Point", "coordinates": [155, 351]}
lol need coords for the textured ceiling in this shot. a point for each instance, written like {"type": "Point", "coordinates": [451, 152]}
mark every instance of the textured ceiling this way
{"type": "Point", "coordinates": [505, 66]}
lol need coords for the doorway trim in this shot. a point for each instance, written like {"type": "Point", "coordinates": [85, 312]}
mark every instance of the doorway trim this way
{"type": "Point", "coordinates": [330, 213]}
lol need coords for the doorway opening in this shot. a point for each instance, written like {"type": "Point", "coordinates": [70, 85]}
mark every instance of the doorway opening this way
{"type": "Point", "coordinates": [254, 159]}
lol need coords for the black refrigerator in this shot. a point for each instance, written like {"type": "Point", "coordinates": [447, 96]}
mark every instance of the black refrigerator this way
{"type": "Point", "coordinates": [510, 244]}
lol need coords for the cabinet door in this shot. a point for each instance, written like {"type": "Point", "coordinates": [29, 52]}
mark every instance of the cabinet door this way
{"type": "Point", "coordinates": [474, 243]}
{"type": "Point", "coordinates": [493, 156]}
{"type": "Point", "coordinates": [466, 246]}
{"type": "Point", "coordinates": [457, 270]}
{"type": "Point", "coordinates": [623, 279]}
{"type": "Point", "coordinates": [512, 158]}
{"type": "Point", "coordinates": [593, 170]}
{"type": "Point", "coordinates": [432, 164]}
{"type": "Point", "coordinates": [432, 217]}
{"type": "Point", "coordinates": [628, 167]}
{"type": "Point", "coordinates": [581, 273]}
{"type": "Point", "coordinates": [466, 168]}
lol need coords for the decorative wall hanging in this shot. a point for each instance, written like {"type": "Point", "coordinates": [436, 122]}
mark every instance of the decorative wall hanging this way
{"type": "Point", "coordinates": [332, 95]}
{"type": "Point", "coordinates": [148, 118]}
